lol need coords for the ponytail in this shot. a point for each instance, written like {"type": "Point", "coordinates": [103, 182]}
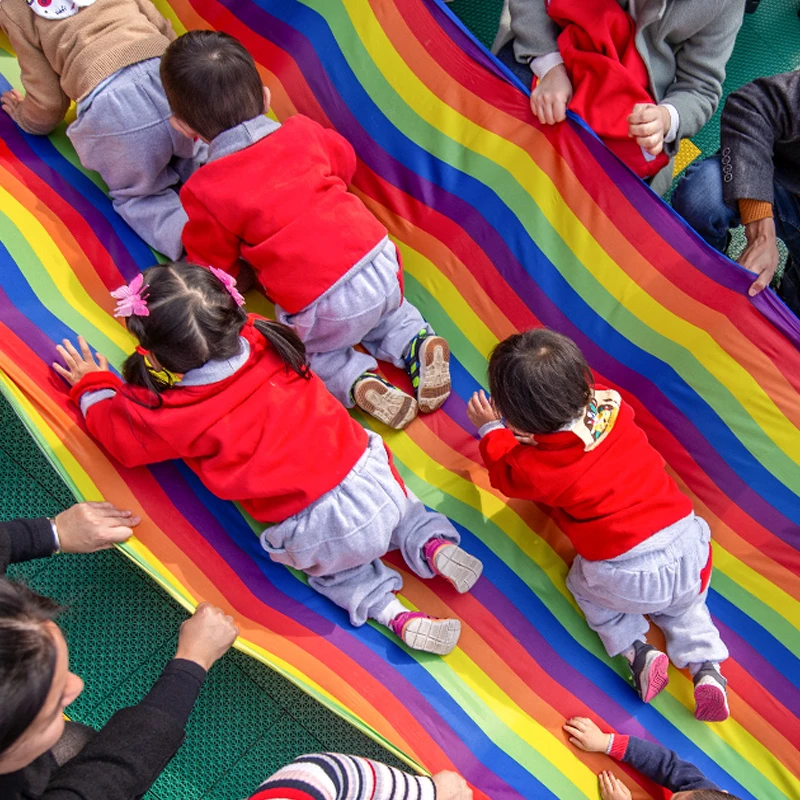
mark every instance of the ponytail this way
{"type": "Point", "coordinates": [287, 344]}
{"type": "Point", "coordinates": [136, 372]}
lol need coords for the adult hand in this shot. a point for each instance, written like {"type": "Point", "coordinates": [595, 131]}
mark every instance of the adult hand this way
{"type": "Point", "coordinates": [649, 124]}
{"type": "Point", "coordinates": [451, 786]}
{"type": "Point", "coordinates": [761, 254]}
{"type": "Point", "coordinates": [585, 735]}
{"type": "Point", "coordinates": [78, 364]}
{"type": "Point", "coordinates": [481, 410]}
{"type": "Point", "coordinates": [206, 636]}
{"type": "Point", "coordinates": [612, 788]}
{"type": "Point", "coordinates": [552, 94]}
{"type": "Point", "coordinates": [10, 100]}
{"type": "Point", "coordinates": [88, 527]}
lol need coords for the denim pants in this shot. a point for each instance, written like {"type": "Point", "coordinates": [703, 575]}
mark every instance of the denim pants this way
{"type": "Point", "coordinates": [339, 539]}
{"type": "Point", "coordinates": [124, 133]}
{"type": "Point", "coordinates": [663, 577]}
{"type": "Point", "coordinates": [698, 198]}
{"type": "Point", "coordinates": [365, 307]}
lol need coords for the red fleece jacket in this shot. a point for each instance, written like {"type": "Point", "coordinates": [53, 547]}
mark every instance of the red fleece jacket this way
{"type": "Point", "coordinates": [282, 205]}
{"type": "Point", "coordinates": [264, 436]}
{"type": "Point", "coordinates": [608, 75]}
{"type": "Point", "coordinates": [606, 500]}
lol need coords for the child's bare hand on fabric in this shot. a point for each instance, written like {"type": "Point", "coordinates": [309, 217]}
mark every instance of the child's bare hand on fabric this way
{"type": "Point", "coordinates": [480, 409]}
{"type": "Point", "coordinates": [550, 98]}
{"type": "Point", "coordinates": [612, 788]}
{"type": "Point", "coordinates": [585, 735]}
{"type": "Point", "coordinates": [78, 363]}
{"type": "Point", "coordinates": [10, 100]}
{"type": "Point", "coordinates": [649, 124]}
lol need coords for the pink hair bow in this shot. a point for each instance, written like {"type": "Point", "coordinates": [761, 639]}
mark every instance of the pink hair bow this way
{"type": "Point", "coordinates": [132, 299]}
{"type": "Point", "coordinates": [229, 282]}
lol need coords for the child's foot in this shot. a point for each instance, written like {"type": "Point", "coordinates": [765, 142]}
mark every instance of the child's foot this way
{"type": "Point", "coordinates": [710, 694]}
{"type": "Point", "coordinates": [649, 670]}
{"type": "Point", "coordinates": [421, 632]}
{"type": "Point", "coordinates": [384, 401]}
{"type": "Point", "coordinates": [428, 366]}
{"type": "Point", "coordinates": [453, 563]}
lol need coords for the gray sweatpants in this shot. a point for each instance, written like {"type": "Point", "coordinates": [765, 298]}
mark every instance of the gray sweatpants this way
{"type": "Point", "coordinates": [340, 538]}
{"type": "Point", "coordinates": [123, 132]}
{"type": "Point", "coordinates": [366, 306]}
{"type": "Point", "coordinates": [660, 577]}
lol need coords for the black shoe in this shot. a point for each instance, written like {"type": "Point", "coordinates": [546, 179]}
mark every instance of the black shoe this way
{"type": "Point", "coordinates": [649, 670]}
{"type": "Point", "coordinates": [710, 695]}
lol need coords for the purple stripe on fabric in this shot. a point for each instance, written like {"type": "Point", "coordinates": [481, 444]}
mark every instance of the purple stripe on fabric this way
{"type": "Point", "coordinates": [102, 228]}
{"type": "Point", "coordinates": [498, 250]}
{"type": "Point", "coordinates": [247, 569]}
{"type": "Point", "coordinates": [780, 688]}
{"type": "Point", "coordinates": [684, 240]}
{"type": "Point", "coordinates": [33, 336]}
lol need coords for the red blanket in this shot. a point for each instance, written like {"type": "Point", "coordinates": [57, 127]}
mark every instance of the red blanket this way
{"type": "Point", "coordinates": [608, 75]}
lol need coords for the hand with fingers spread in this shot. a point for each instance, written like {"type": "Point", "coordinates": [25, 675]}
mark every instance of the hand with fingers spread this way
{"type": "Point", "coordinates": [206, 636]}
{"type": "Point", "coordinates": [649, 124]}
{"type": "Point", "coordinates": [77, 363]}
{"type": "Point", "coordinates": [10, 101]}
{"type": "Point", "coordinates": [612, 788]}
{"type": "Point", "coordinates": [585, 735]}
{"type": "Point", "coordinates": [481, 410]}
{"type": "Point", "coordinates": [761, 254]}
{"type": "Point", "coordinates": [550, 98]}
{"type": "Point", "coordinates": [88, 527]}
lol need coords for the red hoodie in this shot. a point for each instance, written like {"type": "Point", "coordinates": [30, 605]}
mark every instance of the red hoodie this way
{"type": "Point", "coordinates": [282, 205]}
{"type": "Point", "coordinates": [605, 481]}
{"type": "Point", "coordinates": [264, 436]}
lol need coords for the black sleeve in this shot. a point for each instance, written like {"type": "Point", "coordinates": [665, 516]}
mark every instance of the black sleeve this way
{"type": "Point", "coordinates": [756, 118]}
{"type": "Point", "coordinates": [25, 539]}
{"type": "Point", "coordinates": [128, 754]}
{"type": "Point", "coordinates": [664, 767]}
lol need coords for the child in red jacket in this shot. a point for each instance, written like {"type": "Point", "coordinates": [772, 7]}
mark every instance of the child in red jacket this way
{"type": "Point", "coordinates": [275, 196]}
{"type": "Point", "coordinates": [641, 549]}
{"type": "Point", "coordinates": [233, 396]}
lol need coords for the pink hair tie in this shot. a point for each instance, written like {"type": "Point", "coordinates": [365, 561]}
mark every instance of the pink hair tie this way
{"type": "Point", "coordinates": [132, 299]}
{"type": "Point", "coordinates": [229, 282]}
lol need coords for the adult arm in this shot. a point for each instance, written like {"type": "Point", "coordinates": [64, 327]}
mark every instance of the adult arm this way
{"type": "Point", "coordinates": [337, 777]}
{"type": "Point", "coordinates": [44, 104]}
{"type": "Point", "coordinates": [700, 70]}
{"type": "Point", "coordinates": [25, 539]}
{"type": "Point", "coordinates": [535, 34]}
{"type": "Point", "coordinates": [658, 763]}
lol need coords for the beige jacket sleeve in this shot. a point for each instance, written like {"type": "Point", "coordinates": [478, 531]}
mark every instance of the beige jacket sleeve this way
{"type": "Point", "coordinates": [162, 24]}
{"type": "Point", "coordinates": [45, 103]}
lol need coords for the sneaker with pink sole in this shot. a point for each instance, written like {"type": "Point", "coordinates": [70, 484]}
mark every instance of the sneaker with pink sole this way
{"type": "Point", "coordinates": [454, 564]}
{"type": "Point", "coordinates": [649, 670]}
{"type": "Point", "coordinates": [710, 694]}
{"type": "Point", "coordinates": [429, 634]}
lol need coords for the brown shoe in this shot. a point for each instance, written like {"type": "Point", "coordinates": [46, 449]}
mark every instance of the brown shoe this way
{"type": "Point", "coordinates": [384, 401]}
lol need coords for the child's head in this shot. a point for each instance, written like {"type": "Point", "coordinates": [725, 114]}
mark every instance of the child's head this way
{"type": "Point", "coordinates": [192, 319]}
{"type": "Point", "coordinates": [539, 381]}
{"type": "Point", "coordinates": [211, 83]}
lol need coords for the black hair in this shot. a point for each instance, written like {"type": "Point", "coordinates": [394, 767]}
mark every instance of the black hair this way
{"type": "Point", "coordinates": [211, 82]}
{"type": "Point", "coordinates": [710, 794]}
{"type": "Point", "coordinates": [194, 319]}
{"type": "Point", "coordinates": [539, 380]}
{"type": "Point", "coordinates": [27, 658]}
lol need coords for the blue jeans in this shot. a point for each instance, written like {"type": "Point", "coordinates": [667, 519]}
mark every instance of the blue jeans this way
{"type": "Point", "coordinates": [698, 198]}
{"type": "Point", "coordinates": [522, 71]}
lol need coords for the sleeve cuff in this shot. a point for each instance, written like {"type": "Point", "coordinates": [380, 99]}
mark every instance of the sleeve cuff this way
{"type": "Point", "coordinates": [754, 210]}
{"type": "Point", "coordinates": [541, 65]}
{"type": "Point", "coordinates": [618, 746]}
{"type": "Point", "coordinates": [94, 380]}
{"type": "Point", "coordinates": [674, 123]}
{"type": "Point", "coordinates": [488, 427]}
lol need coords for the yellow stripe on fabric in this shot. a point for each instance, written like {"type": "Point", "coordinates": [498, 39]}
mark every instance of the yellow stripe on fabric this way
{"type": "Point", "coordinates": [539, 186]}
{"type": "Point", "coordinates": [446, 294]}
{"type": "Point", "coordinates": [71, 291]}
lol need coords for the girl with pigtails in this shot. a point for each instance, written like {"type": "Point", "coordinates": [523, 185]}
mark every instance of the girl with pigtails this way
{"type": "Point", "coordinates": [232, 394]}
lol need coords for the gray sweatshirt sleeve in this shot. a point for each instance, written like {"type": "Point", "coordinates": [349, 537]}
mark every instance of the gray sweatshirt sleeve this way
{"type": "Point", "coordinates": [755, 118]}
{"type": "Point", "coordinates": [535, 34]}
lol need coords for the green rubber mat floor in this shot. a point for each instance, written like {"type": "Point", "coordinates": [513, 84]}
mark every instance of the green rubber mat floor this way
{"type": "Point", "coordinates": [122, 628]}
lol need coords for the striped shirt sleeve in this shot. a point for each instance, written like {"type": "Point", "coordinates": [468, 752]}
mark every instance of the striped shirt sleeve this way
{"type": "Point", "coordinates": [331, 776]}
